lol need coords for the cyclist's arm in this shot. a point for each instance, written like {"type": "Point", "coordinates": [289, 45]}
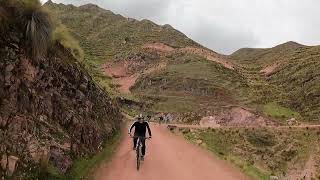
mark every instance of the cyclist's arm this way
{"type": "Point", "coordinates": [149, 130]}
{"type": "Point", "coordinates": [130, 129]}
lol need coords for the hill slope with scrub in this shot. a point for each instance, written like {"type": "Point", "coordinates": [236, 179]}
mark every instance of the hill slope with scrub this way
{"type": "Point", "coordinates": [168, 72]}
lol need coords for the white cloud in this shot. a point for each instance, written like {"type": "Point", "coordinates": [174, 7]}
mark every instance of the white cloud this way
{"type": "Point", "coordinates": [227, 25]}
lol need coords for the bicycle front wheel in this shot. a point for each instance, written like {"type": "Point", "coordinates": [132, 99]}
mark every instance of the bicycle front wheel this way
{"type": "Point", "coordinates": [138, 159]}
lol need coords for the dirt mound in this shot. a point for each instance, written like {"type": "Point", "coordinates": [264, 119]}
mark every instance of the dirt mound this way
{"type": "Point", "coordinates": [268, 70]}
{"type": "Point", "coordinates": [207, 54]}
{"type": "Point", "coordinates": [209, 121]}
{"type": "Point", "coordinates": [158, 47]}
{"type": "Point", "coordinates": [120, 75]}
{"type": "Point", "coordinates": [236, 116]}
{"type": "Point", "coordinates": [126, 83]}
{"type": "Point", "coordinates": [124, 76]}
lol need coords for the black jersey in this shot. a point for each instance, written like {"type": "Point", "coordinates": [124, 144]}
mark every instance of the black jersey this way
{"type": "Point", "coordinates": [140, 128]}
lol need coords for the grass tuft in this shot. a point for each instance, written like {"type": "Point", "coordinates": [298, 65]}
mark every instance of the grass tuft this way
{"type": "Point", "coordinates": [277, 111]}
{"type": "Point", "coordinates": [61, 34]}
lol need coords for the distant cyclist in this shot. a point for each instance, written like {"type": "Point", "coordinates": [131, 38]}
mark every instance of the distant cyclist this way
{"type": "Point", "coordinates": [141, 127]}
{"type": "Point", "coordinates": [160, 119]}
{"type": "Point", "coordinates": [148, 118]}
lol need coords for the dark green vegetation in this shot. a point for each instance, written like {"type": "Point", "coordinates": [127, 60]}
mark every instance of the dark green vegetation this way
{"type": "Point", "coordinates": [275, 110]}
{"type": "Point", "coordinates": [260, 153]}
{"type": "Point", "coordinates": [52, 113]}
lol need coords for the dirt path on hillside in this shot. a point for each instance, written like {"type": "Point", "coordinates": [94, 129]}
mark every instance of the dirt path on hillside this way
{"type": "Point", "coordinates": [268, 70]}
{"type": "Point", "coordinates": [124, 79]}
{"type": "Point", "coordinates": [168, 157]}
{"type": "Point", "coordinates": [205, 53]}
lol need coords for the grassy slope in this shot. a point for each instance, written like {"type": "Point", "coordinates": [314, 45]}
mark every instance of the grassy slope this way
{"type": "Point", "coordinates": [294, 84]}
{"type": "Point", "coordinates": [105, 36]}
{"type": "Point", "coordinates": [262, 57]}
{"type": "Point", "coordinates": [260, 152]}
{"type": "Point", "coordinates": [191, 83]}
{"type": "Point", "coordinates": [115, 36]}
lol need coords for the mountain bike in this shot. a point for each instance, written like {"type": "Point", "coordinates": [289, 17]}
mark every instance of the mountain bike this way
{"type": "Point", "coordinates": [139, 149]}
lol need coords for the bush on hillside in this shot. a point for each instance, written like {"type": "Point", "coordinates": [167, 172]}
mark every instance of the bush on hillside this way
{"type": "Point", "coordinates": [62, 36]}
{"type": "Point", "coordinates": [35, 22]}
{"type": "Point", "coordinates": [38, 27]}
{"type": "Point", "coordinates": [260, 139]}
{"type": "Point", "coordinates": [38, 32]}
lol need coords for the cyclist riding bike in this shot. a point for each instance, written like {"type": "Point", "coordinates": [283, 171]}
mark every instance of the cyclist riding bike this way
{"type": "Point", "coordinates": [141, 127]}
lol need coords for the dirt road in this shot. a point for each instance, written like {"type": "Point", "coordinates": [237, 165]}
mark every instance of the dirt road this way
{"type": "Point", "coordinates": [168, 157]}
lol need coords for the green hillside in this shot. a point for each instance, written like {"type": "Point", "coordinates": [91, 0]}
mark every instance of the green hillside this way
{"type": "Point", "coordinates": [295, 80]}
{"type": "Point", "coordinates": [104, 34]}
{"type": "Point", "coordinates": [193, 83]}
{"type": "Point", "coordinates": [189, 82]}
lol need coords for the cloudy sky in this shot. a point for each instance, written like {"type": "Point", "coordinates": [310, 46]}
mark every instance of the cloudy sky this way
{"type": "Point", "coordinates": [227, 25]}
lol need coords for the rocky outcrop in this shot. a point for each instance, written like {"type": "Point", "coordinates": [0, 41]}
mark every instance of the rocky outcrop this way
{"type": "Point", "coordinates": [51, 111]}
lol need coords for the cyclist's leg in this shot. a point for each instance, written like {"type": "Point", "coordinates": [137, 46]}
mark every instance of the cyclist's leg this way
{"type": "Point", "coordinates": [135, 139]}
{"type": "Point", "coordinates": [143, 143]}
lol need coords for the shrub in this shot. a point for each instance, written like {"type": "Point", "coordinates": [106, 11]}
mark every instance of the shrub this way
{"type": "Point", "coordinates": [62, 36]}
{"type": "Point", "coordinates": [38, 28]}
{"type": "Point", "coordinates": [288, 155]}
{"type": "Point", "coordinates": [29, 16]}
{"type": "Point", "coordinates": [260, 139]}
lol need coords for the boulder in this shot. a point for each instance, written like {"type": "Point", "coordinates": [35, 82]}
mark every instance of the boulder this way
{"type": "Point", "coordinates": [83, 87]}
{"type": "Point", "coordinates": [199, 141]}
{"type": "Point", "coordinates": [274, 178]}
{"type": "Point", "coordinates": [291, 121]}
{"type": "Point", "coordinates": [9, 164]}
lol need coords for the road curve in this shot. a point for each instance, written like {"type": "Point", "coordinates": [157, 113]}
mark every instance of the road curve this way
{"type": "Point", "coordinates": [168, 157]}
